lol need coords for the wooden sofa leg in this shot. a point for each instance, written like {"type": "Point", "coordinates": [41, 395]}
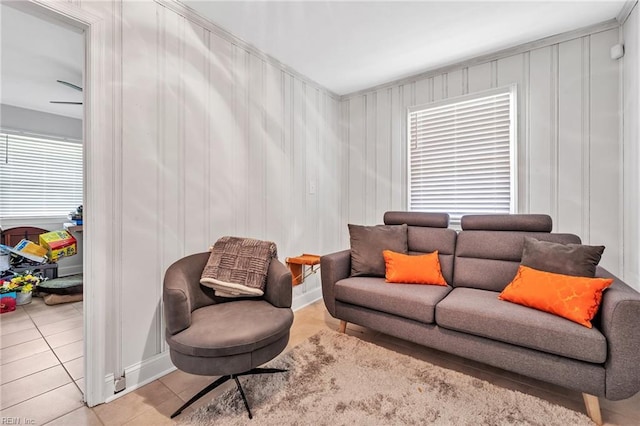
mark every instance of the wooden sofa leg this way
{"type": "Point", "coordinates": [343, 327]}
{"type": "Point", "coordinates": [593, 408]}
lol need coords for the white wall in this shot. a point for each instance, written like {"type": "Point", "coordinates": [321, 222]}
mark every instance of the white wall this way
{"type": "Point", "coordinates": [39, 123]}
{"type": "Point", "coordinates": [631, 174]}
{"type": "Point", "coordinates": [570, 150]}
{"type": "Point", "coordinates": [205, 137]}
{"type": "Point", "coordinates": [216, 141]}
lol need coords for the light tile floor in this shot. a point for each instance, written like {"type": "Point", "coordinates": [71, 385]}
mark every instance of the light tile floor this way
{"type": "Point", "coordinates": [41, 348]}
{"type": "Point", "coordinates": [52, 396]}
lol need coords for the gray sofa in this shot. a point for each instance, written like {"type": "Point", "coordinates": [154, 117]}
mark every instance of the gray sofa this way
{"type": "Point", "coordinates": [466, 318]}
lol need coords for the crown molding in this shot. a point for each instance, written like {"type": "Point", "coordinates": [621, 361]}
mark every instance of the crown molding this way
{"type": "Point", "coordinates": [626, 11]}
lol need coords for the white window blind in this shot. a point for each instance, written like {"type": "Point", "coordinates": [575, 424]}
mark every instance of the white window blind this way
{"type": "Point", "coordinates": [39, 177]}
{"type": "Point", "coordinates": [462, 155]}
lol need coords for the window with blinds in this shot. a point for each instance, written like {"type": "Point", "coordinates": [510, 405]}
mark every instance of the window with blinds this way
{"type": "Point", "coordinates": [462, 155]}
{"type": "Point", "coordinates": [39, 177]}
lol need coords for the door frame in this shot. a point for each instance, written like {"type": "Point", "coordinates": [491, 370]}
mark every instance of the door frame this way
{"type": "Point", "coordinates": [98, 141]}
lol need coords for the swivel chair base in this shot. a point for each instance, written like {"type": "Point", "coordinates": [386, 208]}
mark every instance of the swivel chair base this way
{"type": "Point", "coordinates": [224, 379]}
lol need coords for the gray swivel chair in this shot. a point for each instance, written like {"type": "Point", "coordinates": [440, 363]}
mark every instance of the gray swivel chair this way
{"type": "Point", "coordinates": [214, 336]}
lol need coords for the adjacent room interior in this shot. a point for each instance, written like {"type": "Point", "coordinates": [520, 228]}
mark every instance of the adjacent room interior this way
{"type": "Point", "coordinates": [182, 122]}
{"type": "Point", "coordinates": [41, 182]}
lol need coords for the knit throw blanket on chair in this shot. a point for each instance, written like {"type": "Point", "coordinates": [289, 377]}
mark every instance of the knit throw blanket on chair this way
{"type": "Point", "coordinates": [238, 267]}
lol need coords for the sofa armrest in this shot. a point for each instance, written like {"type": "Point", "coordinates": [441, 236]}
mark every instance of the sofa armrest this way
{"type": "Point", "coordinates": [181, 291]}
{"type": "Point", "coordinates": [620, 324]}
{"type": "Point", "coordinates": [333, 268]}
{"type": "Point", "coordinates": [278, 290]}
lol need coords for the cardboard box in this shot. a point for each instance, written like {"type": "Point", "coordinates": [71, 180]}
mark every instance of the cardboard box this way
{"type": "Point", "coordinates": [31, 251]}
{"type": "Point", "coordinates": [59, 244]}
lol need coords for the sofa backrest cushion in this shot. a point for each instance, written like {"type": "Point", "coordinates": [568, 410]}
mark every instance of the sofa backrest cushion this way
{"type": "Point", "coordinates": [431, 220]}
{"type": "Point", "coordinates": [489, 259]}
{"type": "Point", "coordinates": [507, 222]}
{"type": "Point", "coordinates": [428, 240]}
{"type": "Point", "coordinates": [426, 233]}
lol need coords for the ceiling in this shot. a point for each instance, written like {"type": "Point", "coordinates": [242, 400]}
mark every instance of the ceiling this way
{"type": "Point", "coordinates": [349, 46]}
{"type": "Point", "coordinates": [34, 54]}
{"type": "Point", "coordinates": [344, 46]}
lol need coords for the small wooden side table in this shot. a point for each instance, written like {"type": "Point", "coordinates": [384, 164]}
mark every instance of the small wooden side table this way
{"type": "Point", "coordinates": [298, 266]}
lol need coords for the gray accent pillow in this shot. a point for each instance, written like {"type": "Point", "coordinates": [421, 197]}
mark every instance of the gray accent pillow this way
{"type": "Point", "coordinates": [367, 244]}
{"type": "Point", "coordinates": [569, 259]}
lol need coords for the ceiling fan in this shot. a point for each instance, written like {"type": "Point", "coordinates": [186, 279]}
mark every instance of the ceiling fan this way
{"type": "Point", "coordinates": [73, 86]}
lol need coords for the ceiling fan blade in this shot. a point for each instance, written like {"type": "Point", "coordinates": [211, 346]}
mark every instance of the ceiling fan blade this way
{"type": "Point", "coordinates": [65, 102]}
{"type": "Point", "coordinates": [73, 86]}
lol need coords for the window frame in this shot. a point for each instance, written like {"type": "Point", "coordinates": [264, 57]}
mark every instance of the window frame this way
{"type": "Point", "coordinates": [512, 91]}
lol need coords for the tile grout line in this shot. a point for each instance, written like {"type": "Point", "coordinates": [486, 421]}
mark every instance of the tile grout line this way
{"type": "Point", "coordinates": [37, 317]}
{"type": "Point", "coordinates": [40, 394]}
{"type": "Point", "coordinates": [16, 344]}
{"type": "Point", "coordinates": [22, 359]}
{"type": "Point", "coordinates": [51, 349]}
{"type": "Point", "coordinates": [56, 355]}
{"type": "Point", "coordinates": [75, 383]}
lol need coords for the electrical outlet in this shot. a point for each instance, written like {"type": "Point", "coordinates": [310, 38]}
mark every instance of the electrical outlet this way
{"type": "Point", "coordinates": [312, 187]}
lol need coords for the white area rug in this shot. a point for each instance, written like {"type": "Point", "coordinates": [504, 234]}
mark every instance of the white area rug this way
{"type": "Point", "coordinates": [336, 379]}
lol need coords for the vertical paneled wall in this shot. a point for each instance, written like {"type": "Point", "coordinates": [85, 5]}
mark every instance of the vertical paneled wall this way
{"type": "Point", "coordinates": [569, 146]}
{"type": "Point", "coordinates": [217, 140]}
{"type": "Point", "coordinates": [208, 138]}
{"type": "Point", "coordinates": [631, 149]}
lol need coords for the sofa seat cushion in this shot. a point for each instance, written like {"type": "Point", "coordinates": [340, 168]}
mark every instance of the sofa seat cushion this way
{"type": "Point", "coordinates": [416, 302]}
{"type": "Point", "coordinates": [232, 328]}
{"type": "Point", "coordinates": [481, 313]}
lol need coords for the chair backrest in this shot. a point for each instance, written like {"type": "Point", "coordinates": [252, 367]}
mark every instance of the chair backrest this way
{"type": "Point", "coordinates": [12, 236]}
{"type": "Point", "coordinates": [489, 247]}
{"type": "Point", "coordinates": [426, 233]}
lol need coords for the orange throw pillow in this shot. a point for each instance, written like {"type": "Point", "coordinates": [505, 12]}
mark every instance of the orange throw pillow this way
{"type": "Point", "coordinates": [407, 269]}
{"type": "Point", "coordinates": [574, 298]}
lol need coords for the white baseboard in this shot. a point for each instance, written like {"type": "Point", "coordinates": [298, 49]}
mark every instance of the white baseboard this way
{"type": "Point", "coordinates": [147, 371]}
{"type": "Point", "coordinates": [143, 373]}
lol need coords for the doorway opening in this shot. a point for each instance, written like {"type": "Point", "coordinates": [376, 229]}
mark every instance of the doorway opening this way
{"type": "Point", "coordinates": [41, 180]}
